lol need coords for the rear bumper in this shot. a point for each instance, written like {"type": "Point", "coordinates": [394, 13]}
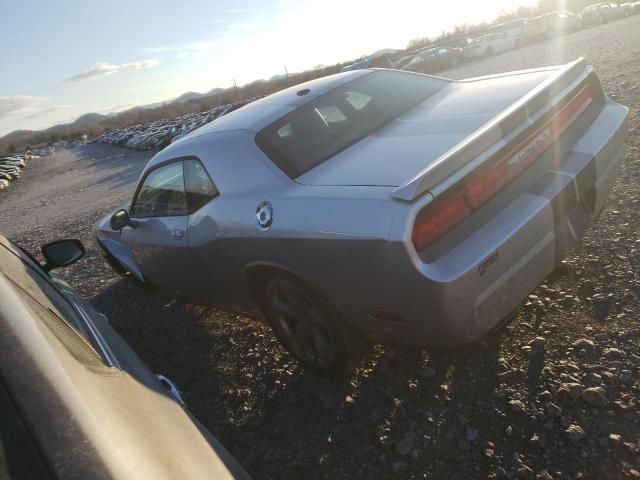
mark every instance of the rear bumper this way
{"type": "Point", "coordinates": [466, 292]}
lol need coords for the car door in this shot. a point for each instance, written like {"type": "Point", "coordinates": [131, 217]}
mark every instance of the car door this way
{"type": "Point", "coordinates": [157, 237]}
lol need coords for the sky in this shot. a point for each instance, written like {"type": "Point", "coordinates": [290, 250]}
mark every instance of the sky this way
{"type": "Point", "coordinates": [60, 59]}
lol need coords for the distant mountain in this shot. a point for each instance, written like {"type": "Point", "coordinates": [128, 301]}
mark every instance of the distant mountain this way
{"type": "Point", "coordinates": [16, 136]}
{"type": "Point", "coordinates": [185, 97]}
{"type": "Point", "coordinates": [87, 120]}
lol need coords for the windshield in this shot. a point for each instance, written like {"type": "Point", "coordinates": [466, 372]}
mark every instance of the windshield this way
{"type": "Point", "coordinates": [333, 122]}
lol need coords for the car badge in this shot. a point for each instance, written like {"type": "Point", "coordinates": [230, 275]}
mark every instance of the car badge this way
{"type": "Point", "coordinates": [264, 216]}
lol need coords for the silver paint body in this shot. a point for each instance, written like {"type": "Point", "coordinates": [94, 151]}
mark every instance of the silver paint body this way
{"type": "Point", "coordinates": [345, 226]}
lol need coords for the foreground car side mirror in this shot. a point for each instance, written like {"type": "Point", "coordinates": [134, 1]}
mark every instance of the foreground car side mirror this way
{"type": "Point", "coordinates": [61, 253]}
{"type": "Point", "coordinates": [120, 219]}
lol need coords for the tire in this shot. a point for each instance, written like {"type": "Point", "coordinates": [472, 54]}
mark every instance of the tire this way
{"type": "Point", "coordinates": [309, 328]}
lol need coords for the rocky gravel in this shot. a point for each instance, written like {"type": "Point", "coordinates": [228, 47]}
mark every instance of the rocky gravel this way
{"type": "Point", "coordinates": [553, 395]}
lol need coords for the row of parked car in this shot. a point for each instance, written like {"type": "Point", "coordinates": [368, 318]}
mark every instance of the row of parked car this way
{"type": "Point", "coordinates": [11, 166]}
{"type": "Point", "coordinates": [512, 34]}
{"type": "Point", "coordinates": [160, 133]}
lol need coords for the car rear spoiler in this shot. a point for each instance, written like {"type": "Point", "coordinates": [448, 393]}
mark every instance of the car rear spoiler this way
{"type": "Point", "coordinates": [496, 133]}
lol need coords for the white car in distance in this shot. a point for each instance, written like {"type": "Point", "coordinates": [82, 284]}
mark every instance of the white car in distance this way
{"type": "Point", "coordinates": [491, 43]}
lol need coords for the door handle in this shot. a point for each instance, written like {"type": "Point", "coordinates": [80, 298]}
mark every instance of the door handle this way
{"type": "Point", "coordinates": [177, 234]}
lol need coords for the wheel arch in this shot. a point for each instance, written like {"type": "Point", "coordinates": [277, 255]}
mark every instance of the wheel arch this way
{"type": "Point", "coordinates": [256, 272]}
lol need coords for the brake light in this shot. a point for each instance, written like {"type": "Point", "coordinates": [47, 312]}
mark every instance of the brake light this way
{"type": "Point", "coordinates": [434, 222]}
{"type": "Point", "coordinates": [486, 187]}
{"type": "Point", "coordinates": [447, 212]}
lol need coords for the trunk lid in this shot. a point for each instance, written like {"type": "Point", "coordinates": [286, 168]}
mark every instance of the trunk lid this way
{"type": "Point", "coordinates": [410, 143]}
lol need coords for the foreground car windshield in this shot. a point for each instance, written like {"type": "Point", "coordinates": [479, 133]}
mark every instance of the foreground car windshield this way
{"type": "Point", "coordinates": [332, 122]}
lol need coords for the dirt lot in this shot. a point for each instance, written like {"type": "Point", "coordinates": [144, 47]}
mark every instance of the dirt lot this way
{"type": "Point", "coordinates": [555, 395]}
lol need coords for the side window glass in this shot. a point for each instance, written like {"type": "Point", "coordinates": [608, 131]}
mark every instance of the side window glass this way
{"type": "Point", "coordinates": [199, 187]}
{"type": "Point", "coordinates": [162, 193]}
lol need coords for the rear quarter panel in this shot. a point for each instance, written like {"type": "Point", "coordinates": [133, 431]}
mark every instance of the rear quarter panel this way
{"type": "Point", "coordinates": [331, 236]}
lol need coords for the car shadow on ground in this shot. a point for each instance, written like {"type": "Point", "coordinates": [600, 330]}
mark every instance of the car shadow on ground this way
{"type": "Point", "coordinates": [281, 421]}
{"type": "Point", "coordinates": [364, 426]}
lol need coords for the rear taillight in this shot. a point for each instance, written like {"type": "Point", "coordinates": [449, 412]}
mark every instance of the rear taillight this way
{"type": "Point", "coordinates": [448, 211]}
{"type": "Point", "coordinates": [432, 223]}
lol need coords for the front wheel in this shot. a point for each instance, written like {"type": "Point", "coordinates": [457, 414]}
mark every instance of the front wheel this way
{"type": "Point", "coordinates": [309, 328]}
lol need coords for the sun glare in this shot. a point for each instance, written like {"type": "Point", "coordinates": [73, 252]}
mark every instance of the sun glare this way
{"type": "Point", "coordinates": [331, 31]}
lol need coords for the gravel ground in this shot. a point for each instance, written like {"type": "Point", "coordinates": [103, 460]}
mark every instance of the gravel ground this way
{"type": "Point", "coordinates": [554, 395]}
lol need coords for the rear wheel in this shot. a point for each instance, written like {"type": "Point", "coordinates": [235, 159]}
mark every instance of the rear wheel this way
{"type": "Point", "coordinates": [309, 328]}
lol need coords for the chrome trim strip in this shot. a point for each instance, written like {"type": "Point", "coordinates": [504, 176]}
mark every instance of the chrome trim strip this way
{"type": "Point", "coordinates": [98, 339]}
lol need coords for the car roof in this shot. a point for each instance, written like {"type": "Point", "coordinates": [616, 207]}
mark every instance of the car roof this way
{"type": "Point", "coordinates": [256, 115]}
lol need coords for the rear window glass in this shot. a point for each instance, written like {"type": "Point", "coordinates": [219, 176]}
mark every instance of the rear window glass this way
{"type": "Point", "coordinates": [333, 122]}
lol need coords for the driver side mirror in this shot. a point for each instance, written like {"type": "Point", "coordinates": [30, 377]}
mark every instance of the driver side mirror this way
{"type": "Point", "coordinates": [120, 219]}
{"type": "Point", "coordinates": [61, 253]}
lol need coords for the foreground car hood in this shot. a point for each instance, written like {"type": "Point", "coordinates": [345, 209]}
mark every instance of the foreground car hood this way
{"type": "Point", "coordinates": [411, 142]}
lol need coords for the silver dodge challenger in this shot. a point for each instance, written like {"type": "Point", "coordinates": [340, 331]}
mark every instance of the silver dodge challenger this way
{"type": "Point", "coordinates": [376, 204]}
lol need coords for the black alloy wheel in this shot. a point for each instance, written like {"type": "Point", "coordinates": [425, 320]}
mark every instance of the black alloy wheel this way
{"type": "Point", "coordinates": [308, 328]}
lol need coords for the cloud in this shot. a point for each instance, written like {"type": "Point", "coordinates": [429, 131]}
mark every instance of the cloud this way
{"type": "Point", "coordinates": [99, 70]}
{"type": "Point", "coordinates": [44, 111]}
{"type": "Point", "coordinates": [19, 105]}
{"type": "Point", "coordinates": [150, 62]}
{"type": "Point", "coordinates": [193, 48]}
{"type": "Point", "coordinates": [104, 69]}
